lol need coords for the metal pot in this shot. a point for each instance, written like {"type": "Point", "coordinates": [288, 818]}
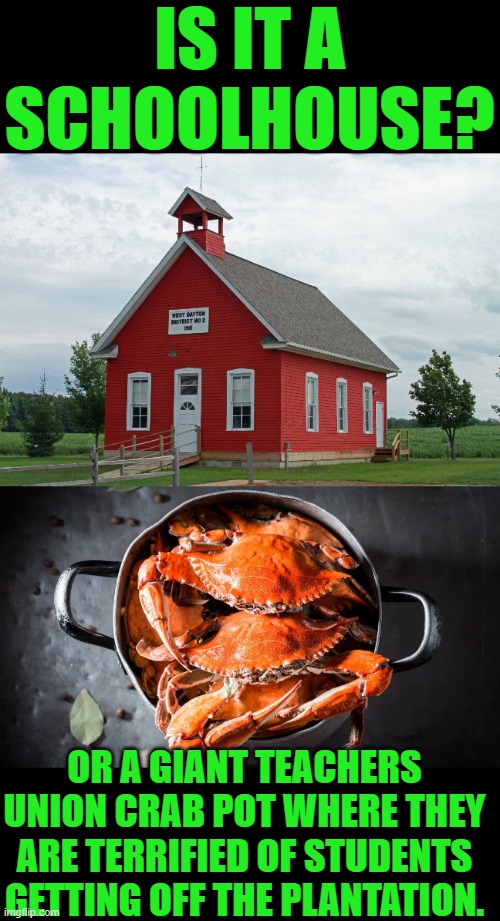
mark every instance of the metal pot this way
{"type": "Point", "coordinates": [317, 735]}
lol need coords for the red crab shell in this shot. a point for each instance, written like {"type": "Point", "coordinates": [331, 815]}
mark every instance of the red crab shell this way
{"type": "Point", "coordinates": [266, 647]}
{"type": "Point", "coordinates": [267, 572]}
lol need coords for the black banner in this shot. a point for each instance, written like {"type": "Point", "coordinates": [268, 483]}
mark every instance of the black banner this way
{"type": "Point", "coordinates": [252, 849]}
{"type": "Point", "coordinates": [353, 77]}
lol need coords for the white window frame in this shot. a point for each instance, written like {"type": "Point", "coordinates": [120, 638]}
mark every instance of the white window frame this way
{"type": "Point", "coordinates": [178, 374]}
{"type": "Point", "coordinates": [235, 372]}
{"type": "Point", "coordinates": [368, 408]}
{"type": "Point", "coordinates": [342, 385]}
{"type": "Point", "coordinates": [138, 375]}
{"type": "Point", "coordinates": [312, 378]}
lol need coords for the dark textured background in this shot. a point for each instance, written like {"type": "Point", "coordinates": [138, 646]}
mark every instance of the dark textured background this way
{"type": "Point", "coordinates": [443, 541]}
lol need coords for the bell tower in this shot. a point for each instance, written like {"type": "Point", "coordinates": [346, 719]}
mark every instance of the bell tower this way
{"type": "Point", "coordinates": [196, 210]}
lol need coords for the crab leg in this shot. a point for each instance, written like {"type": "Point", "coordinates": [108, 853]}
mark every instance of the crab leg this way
{"type": "Point", "coordinates": [372, 677]}
{"type": "Point", "coordinates": [168, 566]}
{"type": "Point", "coordinates": [160, 611]}
{"type": "Point", "coordinates": [207, 542]}
{"type": "Point", "coordinates": [343, 596]}
{"type": "Point", "coordinates": [168, 686]}
{"type": "Point", "coordinates": [185, 623]}
{"type": "Point", "coordinates": [202, 524]}
{"type": "Point", "coordinates": [152, 651]}
{"type": "Point", "coordinates": [153, 605]}
{"type": "Point", "coordinates": [288, 524]}
{"type": "Point", "coordinates": [238, 730]}
{"type": "Point", "coordinates": [186, 682]}
{"type": "Point", "coordinates": [187, 725]}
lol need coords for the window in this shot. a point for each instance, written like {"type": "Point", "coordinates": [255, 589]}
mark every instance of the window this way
{"type": "Point", "coordinates": [341, 405]}
{"type": "Point", "coordinates": [188, 384]}
{"type": "Point", "coordinates": [138, 401]}
{"type": "Point", "coordinates": [367, 409]}
{"type": "Point", "coordinates": [240, 399]}
{"type": "Point", "coordinates": [312, 424]}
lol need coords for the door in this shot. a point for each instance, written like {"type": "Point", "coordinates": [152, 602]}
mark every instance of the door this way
{"type": "Point", "coordinates": [379, 425]}
{"type": "Point", "coordinates": [187, 409]}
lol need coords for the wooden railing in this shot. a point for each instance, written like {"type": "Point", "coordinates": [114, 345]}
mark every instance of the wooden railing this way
{"type": "Point", "coordinates": [401, 444]}
{"type": "Point", "coordinates": [155, 443]}
{"type": "Point", "coordinates": [162, 451]}
{"type": "Point", "coordinates": [131, 458]}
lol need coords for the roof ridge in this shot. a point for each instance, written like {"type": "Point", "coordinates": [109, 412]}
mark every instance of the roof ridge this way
{"type": "Point", "coordinates": [279, 302]}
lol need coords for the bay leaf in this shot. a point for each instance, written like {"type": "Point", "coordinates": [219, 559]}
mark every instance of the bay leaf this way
{"type": "Point", "coordinates": [86, 719]}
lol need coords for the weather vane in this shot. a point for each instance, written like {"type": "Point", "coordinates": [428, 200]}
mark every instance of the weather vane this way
{"type": "Point", "coordinates": [201, 167]}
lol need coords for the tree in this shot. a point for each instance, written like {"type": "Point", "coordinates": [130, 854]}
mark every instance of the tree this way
{"type": "Point", "coordinates": [20, 405]}
{"type": "Point", "coordinates": [394, 422]}
{"type": "Point", "coordinates": [4, 405]}
{"type": "Point", "coordinates": [43, 426]}
{"type": "Point", "coordinates": [443, 400]}
{"type": "Point", "coordinates": [494, 407]}
{"type": "Point", "coordinates": [86, 387]}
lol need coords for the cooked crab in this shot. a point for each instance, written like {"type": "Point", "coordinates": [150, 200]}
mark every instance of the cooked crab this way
{"type": "Point", "coordinates": [251, 605]}
{"type": "Point", "coordinates": [222, 713]}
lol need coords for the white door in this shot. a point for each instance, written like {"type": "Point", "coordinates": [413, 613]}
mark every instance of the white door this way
{"type": "Point", "coordinates": [379, 425]}
{"type": "Point", "coordinates": [187, 408]}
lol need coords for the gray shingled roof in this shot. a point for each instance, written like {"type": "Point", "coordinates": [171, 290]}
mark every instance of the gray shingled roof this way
{"type": "Point", "coordinates": [300, 313]}
{"type": "Point", "coordinates": [206, 204]}
{"type": "Point", "coordinates": [298, 316]}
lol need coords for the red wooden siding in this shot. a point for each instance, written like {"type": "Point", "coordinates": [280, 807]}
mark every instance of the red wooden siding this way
{"type": "Point", "coordinates": [210, 241]}
{"type": "Point", "coordinates": [293, 404]}
{"type": "Point", "coordinates": [188, 206]}
{"type": "Point", "coordinates": [233, 341]}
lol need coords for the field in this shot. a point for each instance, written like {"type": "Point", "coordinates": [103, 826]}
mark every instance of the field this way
{"type": "Point", "coordinates": [477, 448]}
{"type": "Point", "coordinates": [11, 445]}
{"type": "Point", "coordinates": [473, 441]}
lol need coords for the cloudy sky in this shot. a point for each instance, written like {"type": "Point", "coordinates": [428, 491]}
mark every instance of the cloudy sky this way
{"type": "Point", "coordinates": [407, 245]}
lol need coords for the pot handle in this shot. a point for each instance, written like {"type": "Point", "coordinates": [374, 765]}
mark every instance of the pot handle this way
{"type": "Point", "coordinates": [62, 604]}
{"type": "Point", "coordinates": [432, 627]}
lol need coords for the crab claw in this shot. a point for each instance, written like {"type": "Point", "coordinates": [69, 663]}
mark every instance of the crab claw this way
{"type": "Point", "coordinates": [238, 730]}
{"type": "Point", "coordinates": [152, 651]}
{"type": "Point", "coordinates": [339, 557]}
{"type": "Point", "coordinates": [199, 524]}
{"type": "Point", "coordinates": [153, 603]}
{"type": "Point", "coordinates": [169, 685]}
{"type": "Point", "coordinates": [187, 725]}
{"type": "Point", "coordinates": [370, 676]}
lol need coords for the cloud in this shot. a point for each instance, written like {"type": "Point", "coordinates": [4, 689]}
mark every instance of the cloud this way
{"type": "Point", "coordinates": [23, 366]}
{"type": "Point", "coordinates": [407, 246]}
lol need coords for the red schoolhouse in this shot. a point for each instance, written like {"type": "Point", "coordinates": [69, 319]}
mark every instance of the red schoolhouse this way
{"type": "Point", "coordinates": [223, 352]}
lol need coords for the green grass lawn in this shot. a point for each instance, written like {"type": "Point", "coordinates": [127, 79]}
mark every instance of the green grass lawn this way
{"type": "Point", "coordinates": [472, 470]}
{"type": "Point", "coordinates": [430, 472]}
{"type": "Point", "coordinates": [71, 449]}
{"type": "Point", "coordinates": [36, 477]}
